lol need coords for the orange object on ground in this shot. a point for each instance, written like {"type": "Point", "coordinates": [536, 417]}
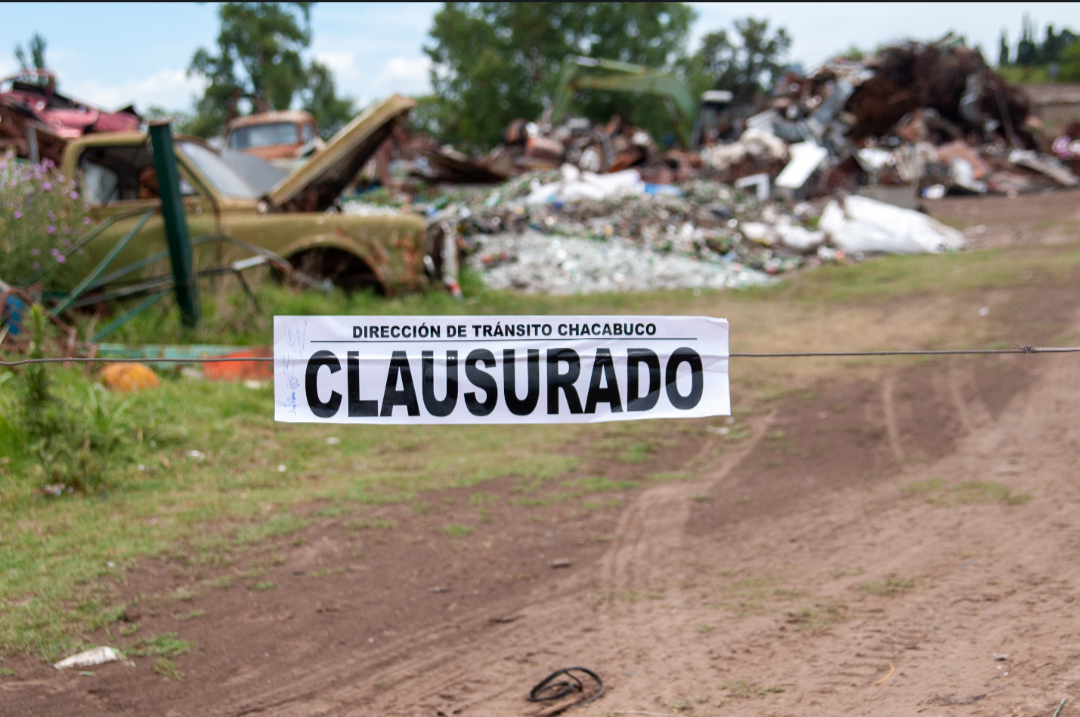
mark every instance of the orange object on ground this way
{"type": "Point", "coordinates": [241, 370]}
{"type": "Point", "coordinates": [124, 377]}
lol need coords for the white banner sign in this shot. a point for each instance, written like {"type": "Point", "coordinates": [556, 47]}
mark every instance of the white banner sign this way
{"type": "Point", "coordinates": [498, 369]}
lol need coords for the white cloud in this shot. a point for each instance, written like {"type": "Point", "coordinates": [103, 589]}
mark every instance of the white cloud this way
{"type": "Point", "coordinates": [168, 88]}
{"type": "Point", "coordinates": [405, 75]}
{"type": "Point", "coordinates": [341, 64]}
{"type": "Point", "coordinates": [7, 67]}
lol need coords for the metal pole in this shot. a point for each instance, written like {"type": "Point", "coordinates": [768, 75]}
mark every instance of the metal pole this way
{"type": "Point", "coordinates": [176, 229]}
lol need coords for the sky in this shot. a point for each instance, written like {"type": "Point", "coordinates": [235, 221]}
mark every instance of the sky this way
{"type": "Point", "coordinates": [115, 54]}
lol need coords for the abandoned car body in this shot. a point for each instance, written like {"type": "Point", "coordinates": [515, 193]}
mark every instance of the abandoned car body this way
{"type": "Point", "coordinates": [294, 218]}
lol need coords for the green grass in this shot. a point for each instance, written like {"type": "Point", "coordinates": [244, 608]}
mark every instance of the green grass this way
{"type": "Point", "coordinates": [892, 585]}
{"type": "Point", "coordinates": [967, 493]}
{"type": "Point", "coordinates": [167, 644]}
{"type": "Point", "coordinates": [167, 669]}
{"type": "Point", "coordinates": [457, 531]}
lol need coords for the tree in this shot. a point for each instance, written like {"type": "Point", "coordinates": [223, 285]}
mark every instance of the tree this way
{"type": "Point", "coordinates": [747, 65]}
{"type": "Point", "coordinates": [1003, 51]}
{"type": "Point", "coordinates": [35, 58]}
{"type": "Point", "coordinates": [259, 56]}
{"type": "Point", "coordinates": [494, 62]}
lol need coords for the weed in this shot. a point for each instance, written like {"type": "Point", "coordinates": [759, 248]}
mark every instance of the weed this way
{"type": "Point", "coordinates": [892, 585]}
{"type": "Point", "coordinates": [704, 629]}
{"type": "Point", "coordinates": [327, 571]}
{"type": "Point", "coordinates": [183, 594]}
{"type": "Point", "coordinates": [457, 531]}
{"type": "Point", "coordinates": [922, 487]}
{"type": "Point", "coordinates": [167, 669]}
{"type": "Point", "coordinates": [167, 644]}
{"type": "Point", "coordinates": [221, 582]}
{"type": "Point", "coordinates": [967, 493]}
{"type": "Point", "coordinates": [369, 524]}
{"type": "Point", "coordinates": [843, 573]}
{"type": "Point", "coordinates": [669, 476]}
{"type": "Point", "coordinates": [481, 498]}
{"type": "Point", "coordinates": [7, 672]}
{"type": "Point", "coordinates": [199, 612]}
{"type": "Point", "coordinates": [129, 630]}
{"type": "Point", "coordinates": [822, 615]}
{"type": "Point", "coordinates": [263, 586]}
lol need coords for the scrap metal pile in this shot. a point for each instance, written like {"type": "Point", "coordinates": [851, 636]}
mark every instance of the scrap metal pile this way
{"type": "Point", "coordinates": [933, 117]}
{"type": "Point", "coordinates": [599, 207]}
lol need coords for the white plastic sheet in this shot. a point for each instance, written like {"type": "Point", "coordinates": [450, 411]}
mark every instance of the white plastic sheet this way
{"type": "Point", "coordinates": [866, 225]}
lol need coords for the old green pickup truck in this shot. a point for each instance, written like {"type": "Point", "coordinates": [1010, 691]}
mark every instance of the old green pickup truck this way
{"type": "Point", "coordinates": [295, 215]}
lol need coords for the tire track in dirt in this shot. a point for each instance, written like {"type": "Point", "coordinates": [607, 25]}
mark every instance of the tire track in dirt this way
{"type": "Point", "coordinates": [486, 676]}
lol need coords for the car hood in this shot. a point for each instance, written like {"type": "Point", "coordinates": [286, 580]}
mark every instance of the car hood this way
{"type": "Point", "coordinates": [315, 185]}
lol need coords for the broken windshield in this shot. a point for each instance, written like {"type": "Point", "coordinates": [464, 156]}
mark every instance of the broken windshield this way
{"type": "Point", "coordinates": [221, 175]}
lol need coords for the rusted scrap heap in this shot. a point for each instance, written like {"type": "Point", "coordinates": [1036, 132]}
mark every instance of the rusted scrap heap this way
{"type": "Point", "coordinates": [932, 116]}
{"type": "Point", "coordinates": [36, 121]}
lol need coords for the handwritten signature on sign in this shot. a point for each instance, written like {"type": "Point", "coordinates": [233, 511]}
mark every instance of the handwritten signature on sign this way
{"type": "Point", "coordinates": [296, 339]}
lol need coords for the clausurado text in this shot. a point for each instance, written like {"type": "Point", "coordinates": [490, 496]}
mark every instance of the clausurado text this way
{"type": "Point", "coordinates": [499, 369]}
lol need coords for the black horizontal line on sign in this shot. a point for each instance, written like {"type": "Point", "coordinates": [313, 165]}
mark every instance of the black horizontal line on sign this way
{"type": "Point", "coordinates": [488, 341]}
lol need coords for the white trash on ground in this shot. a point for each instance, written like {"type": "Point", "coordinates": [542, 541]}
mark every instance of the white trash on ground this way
{"type": "Point", "coordinates": [96, 656]}
{"type": "Point", "coordinates": [866, 225]}
{"type": "Point", "coordinates": [541, 264]}
{"type": "Point", "coordinates": [577, 184]}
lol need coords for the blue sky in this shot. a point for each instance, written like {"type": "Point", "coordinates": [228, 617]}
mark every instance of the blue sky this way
{"type": "Point", "coordinates": [113, 54]}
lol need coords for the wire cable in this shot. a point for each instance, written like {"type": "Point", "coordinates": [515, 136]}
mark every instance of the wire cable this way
{"type": "Point", "coordinates": [799, 354]}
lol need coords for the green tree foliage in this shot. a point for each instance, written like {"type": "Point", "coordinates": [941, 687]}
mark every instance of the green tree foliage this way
{"type": "Point", "coordinates": [494, 62]}
{"type": "Point", "coordinates": [34, 57]}
{"type": "Point", "coordinates": [1053, 49]}
{"type": "Point", "coordinates": [259, 56]}
{"type": "Point", "coordinates": [746, 62]}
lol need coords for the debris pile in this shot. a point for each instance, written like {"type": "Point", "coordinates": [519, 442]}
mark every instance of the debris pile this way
{"type": "Point", "coordinates": [36, 121]}
{"type": "Point", "coordinates": [930, 117]}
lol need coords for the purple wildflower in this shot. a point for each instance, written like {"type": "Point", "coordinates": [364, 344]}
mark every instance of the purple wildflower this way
{"type": "Point", "coordinates": [34, 251]}
{"type": "Point", "coordinates": [86, 220]}
{"type": "Point", "coordinates": [36, 266]}
{"type": "Point", "coordinates": [18, 214]}
{"type": "Point", "coordinates": [54, 251]}
{"type": "Point", "coordinates": [51, 229]}
{"type": "Point", "coordinates": [73, 194]}
{"type": "Point", "coordinates": [47, 186]}
{"type": "Point", "coordinates": [60, 258]}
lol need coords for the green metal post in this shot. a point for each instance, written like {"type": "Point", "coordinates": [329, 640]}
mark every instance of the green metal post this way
{"type": "Point", "coordinates": [176, 229]}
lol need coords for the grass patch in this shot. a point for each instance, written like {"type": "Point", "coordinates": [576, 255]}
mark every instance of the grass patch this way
{"type": "Point", "coordinates": [263, 586]}
{"type": "Point", "coordinates": [820, 616]}
{"type": "Point", "coordinates": [664, 477]}
{"type": "Point", "coordinates": [967, 493]}
{"type": "Point", "coordinates": [167, 669]}
{"type": "Point", "coordinates": [328, 571]}
{"type": "Point", "coordinates": [892, 585]}
{"type": "Point", "coordinates": [369, 524]}
{"type": "Point", "coordinates": [199, 612]}
{"type": "Point", "coordinates": [167, 644]}
{"type": "Point", "coordinates": [457, 531]}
